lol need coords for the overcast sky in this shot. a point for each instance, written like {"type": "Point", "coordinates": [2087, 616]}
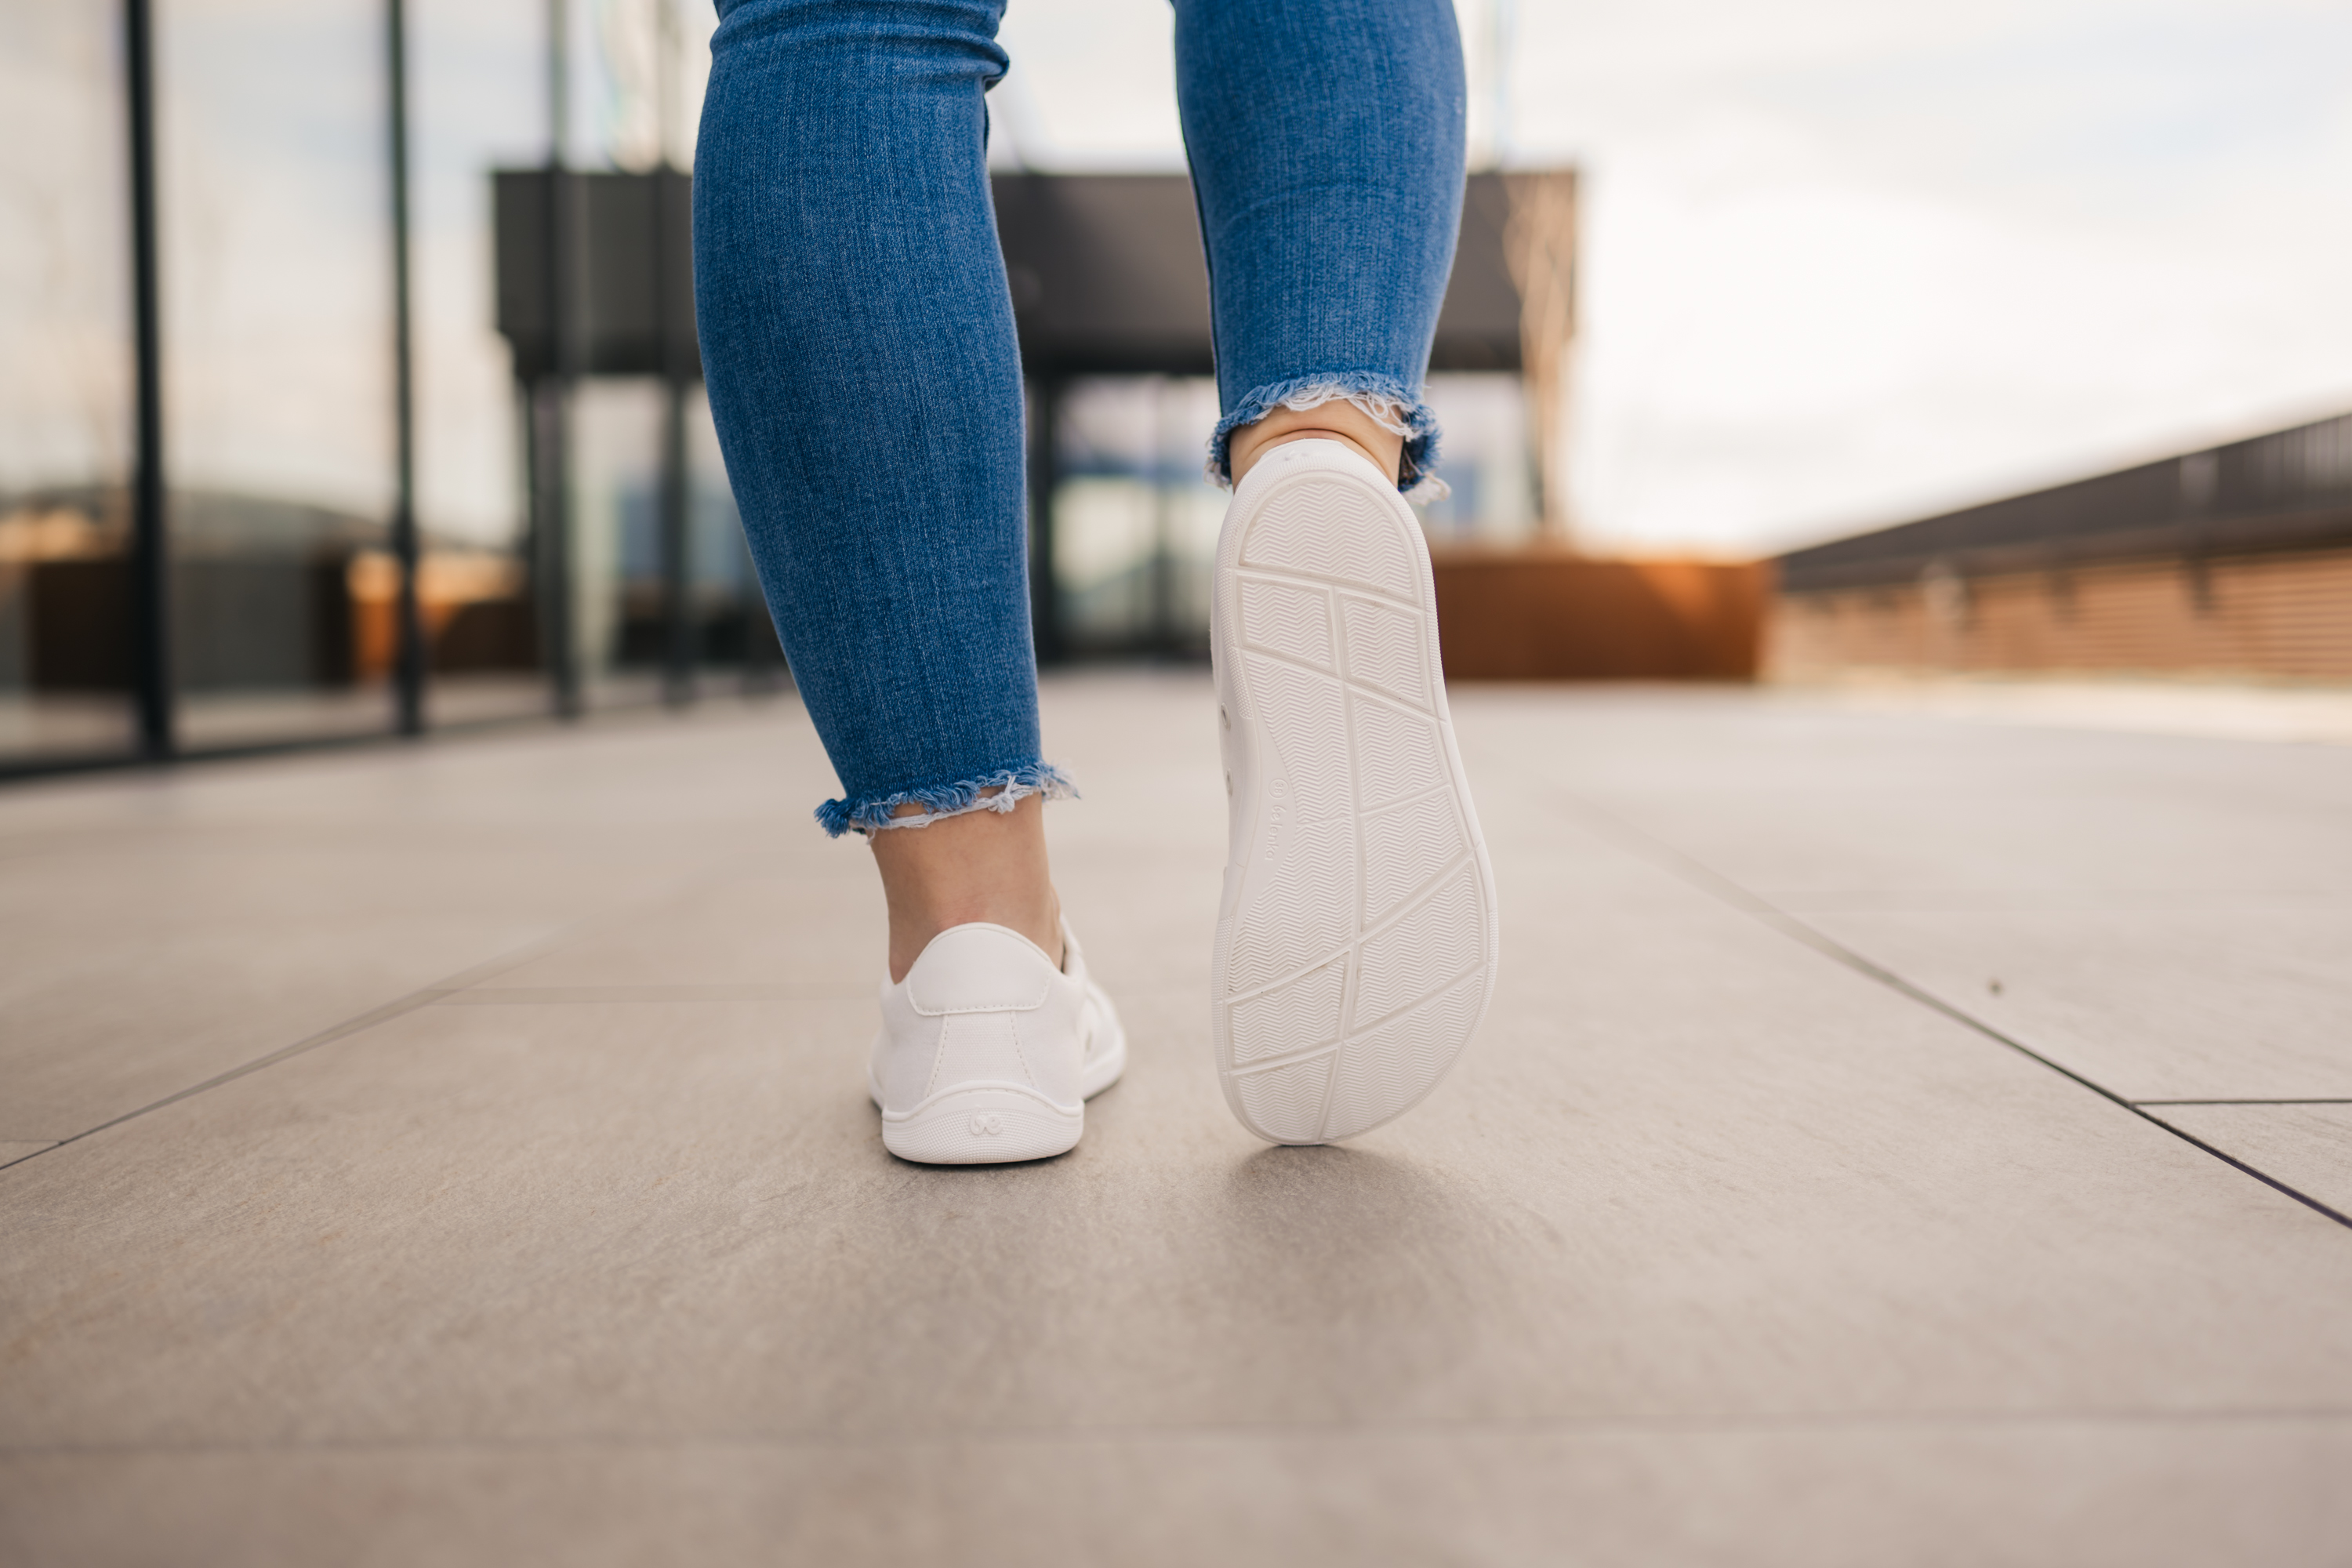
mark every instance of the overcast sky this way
{"type": "Point", "coordinates": [1846, 261]}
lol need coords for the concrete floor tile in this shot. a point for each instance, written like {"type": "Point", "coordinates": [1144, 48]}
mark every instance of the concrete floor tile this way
{"type": "Point", "coordinates": [1797, 802]}
{"type": "Point", "coordinates": [2180, 1003]}
{"type": "Point", "coordinates": [2155, 705]}
{"type": "Point", "coordinates": [1693, 1169]}
{"type": "Point", "coordinates": [2086, 1493]}
{"type": "Point", "coordinates": [810, 926]}
{"type": "Point", "coordinates": [12, 1153]}
{"type": "Point", "coordinates": [161, 931]}
{"type": "Point", "coordinates": [2308, 1147]}
{"type": "Point", "coordinates": [1711, 1248]}
{"type": "Point", "coordinates": [79, 1047]}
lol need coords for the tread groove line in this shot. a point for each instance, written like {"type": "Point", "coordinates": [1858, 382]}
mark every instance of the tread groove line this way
{"type": "Point", "coordinates": [1393, 1013]}
{"type": "Point", "coordinates": [1351, 984]}
{"type": "Point", "coordinates": [1375, 694]}
{"type": "Point", "coordinates": [1290, 1059]}
{"type": "Point", "coordinates": [1244, 570]}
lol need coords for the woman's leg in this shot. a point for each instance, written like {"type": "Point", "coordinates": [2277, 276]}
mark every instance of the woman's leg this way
{"type": "Point", "coordinates": [1325, 139]}
{"type": "Point", "coordinates": [1356, 936]}
{"type": "Point", "coordinates": [858, 338]}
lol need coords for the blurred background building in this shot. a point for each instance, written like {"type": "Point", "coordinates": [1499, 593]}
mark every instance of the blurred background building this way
{"type": "Point", "coordinates": [1112, 297]}
{"type": "Point", "coordinates": [312, 432]}
{"type": "Point", "coordinates": [291, 448]}
{"type": "Point", "coordinates": [2235, 561]}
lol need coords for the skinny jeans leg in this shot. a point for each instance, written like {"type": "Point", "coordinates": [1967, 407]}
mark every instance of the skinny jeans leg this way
{"type": "Point", "coordinates": [1325, 140]}
{"type": "Point", "coordinates": [857, 341]}
{"type": "Point", "coordinates": [857, 332]}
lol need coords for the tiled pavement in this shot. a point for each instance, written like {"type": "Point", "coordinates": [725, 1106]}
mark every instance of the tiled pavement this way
{"type": "Point", "coordinates": [460, 1154]}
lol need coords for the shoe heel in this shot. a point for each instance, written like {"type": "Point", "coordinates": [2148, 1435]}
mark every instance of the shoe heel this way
{"type": "Point", "coordinates": [983, 1126]}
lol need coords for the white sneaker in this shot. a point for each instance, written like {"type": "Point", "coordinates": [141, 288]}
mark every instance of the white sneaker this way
{"type": "Point", "coordinates": [989, 1053]}
{"type": "Point", "coordinates": [1356, 938]}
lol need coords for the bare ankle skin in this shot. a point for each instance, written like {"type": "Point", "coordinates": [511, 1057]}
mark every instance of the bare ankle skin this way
{"type": "Point", "coordinates": [1338, 420]}
{"type": "Point", "coordinates": [982, 865]}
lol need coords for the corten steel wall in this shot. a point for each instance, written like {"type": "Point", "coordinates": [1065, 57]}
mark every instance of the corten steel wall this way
{"type": "Point", "coordinates": [2232, 561]}
{"type": "Point", "coordinates": [1532, 615]}
{"type": "Point", "coordinates": [2287, 615]}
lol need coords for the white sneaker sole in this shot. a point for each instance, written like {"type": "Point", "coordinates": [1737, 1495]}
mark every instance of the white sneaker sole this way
{"type": "Point", "coordinates": [1355, 937]}
{"type": "Point", "coordinates": [987, 1123]}
{"type": "Point", "coordinates": [983, 1124]}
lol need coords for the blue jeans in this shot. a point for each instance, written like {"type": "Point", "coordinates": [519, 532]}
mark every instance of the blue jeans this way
{"type": "Point", "coordinates": [857, 332]}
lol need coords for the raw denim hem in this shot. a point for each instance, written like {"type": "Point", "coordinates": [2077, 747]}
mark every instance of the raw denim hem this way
{"type": "Point", "coordinates": [876, 813]}
{"type": "Point", "coordinates": [1386, 401]}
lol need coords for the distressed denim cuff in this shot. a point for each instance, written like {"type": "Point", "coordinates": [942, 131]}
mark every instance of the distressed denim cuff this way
{"type": "Point", "coordinates": [1383, 398]}
{"type": "Point", "coordinates": [876, 813]}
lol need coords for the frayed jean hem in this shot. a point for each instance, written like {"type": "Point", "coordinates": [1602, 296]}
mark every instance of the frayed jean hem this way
{"type": "Point", "coordinates": [1386, 401]}
{"type": "Point", "coordinates": [877, 812]}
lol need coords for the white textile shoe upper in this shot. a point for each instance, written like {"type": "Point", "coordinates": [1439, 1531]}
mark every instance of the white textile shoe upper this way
{"type": "Point", "coordinates": [989, 1053]}
{"type": "Point", "coordinates": [1356, 938]}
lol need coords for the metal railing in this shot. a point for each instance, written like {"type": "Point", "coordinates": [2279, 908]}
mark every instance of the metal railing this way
{"type": "Point", "coordinates": [2286, 491]}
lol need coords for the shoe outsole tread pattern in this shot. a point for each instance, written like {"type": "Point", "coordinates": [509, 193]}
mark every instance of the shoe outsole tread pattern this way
{"type": "Point", "coordinates": [1356, 952]}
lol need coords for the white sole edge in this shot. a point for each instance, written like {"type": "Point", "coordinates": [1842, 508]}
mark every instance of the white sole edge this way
{"type": "Point", "coordinates": [994, 1123]}
{"type": "Point", "coordinates": [1357, 935]}
{"type": "Point", "coordinates": [983, 1124]}
{"type": "Point", "coordinates": [1105, 1069]}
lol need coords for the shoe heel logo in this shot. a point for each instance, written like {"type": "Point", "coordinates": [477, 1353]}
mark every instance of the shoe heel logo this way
{"type": "Point", "coordinates": [1278, 819]}
{"type": "Point", "coordinates": [986, 1124]}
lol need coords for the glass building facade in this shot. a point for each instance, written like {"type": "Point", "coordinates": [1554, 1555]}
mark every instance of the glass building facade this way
{"type": "Point", "coordinates": [275, 469]}
{"type": "Point", "coordinates": [67, 383]}
{"type": "Point", "coordinates": [300, 504]}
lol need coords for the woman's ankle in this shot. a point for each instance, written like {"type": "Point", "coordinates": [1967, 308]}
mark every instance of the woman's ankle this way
{"type": "Point", "coordinates": [1338, 420]}
{"type": "Point", "coordinates": [981, 866]}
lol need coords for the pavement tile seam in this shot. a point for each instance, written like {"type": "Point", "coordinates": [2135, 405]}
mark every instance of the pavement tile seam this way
{"type": "Point", "coordinates": [1723, 887]}
{"type": "Point", "coordinates": [2311, 1100]}
{"type": "Point", "coordinates": [1823, 1501]}
{"type": "Point", "coordinates": [343, 1030]}
{"type": "Point", "coordinates": [461, 984]}
{"type": "Point", "coordinates": [2310, 1142]}
{"type": "Point", "coordinates": [547, 996]}
{"type": "Point", "coordinates": [2229, 1159]}
{"type": "Point", "coordinates": [1698, 1423]}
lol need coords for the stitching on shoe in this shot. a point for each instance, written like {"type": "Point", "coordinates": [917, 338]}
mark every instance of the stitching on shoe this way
{"type": "Point", "coordinates": [1014, 1027]}
{"type": "Point", "coordinates": [1044, 990]}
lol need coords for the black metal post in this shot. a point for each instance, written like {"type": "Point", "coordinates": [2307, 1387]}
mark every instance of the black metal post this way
{"type": "Point", "coordinates": [1044, 477]}
{"type": "Point", "coordinates": [553, 397]}
{"type": "Point", "coordinates": [679, 649]}
{"type": "Point", "coordinates": [551, 561]}
{"type": "Point", "coordinates": [678, 607]}
{"type": "Point", "coordinates": [408, 665]}
{"type": "Point", "coordinates": [1164, 641]}
{"type": "Point", "coordinates": [151, 564]}
{"type": "Point", "coordinates": [674, 223]}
